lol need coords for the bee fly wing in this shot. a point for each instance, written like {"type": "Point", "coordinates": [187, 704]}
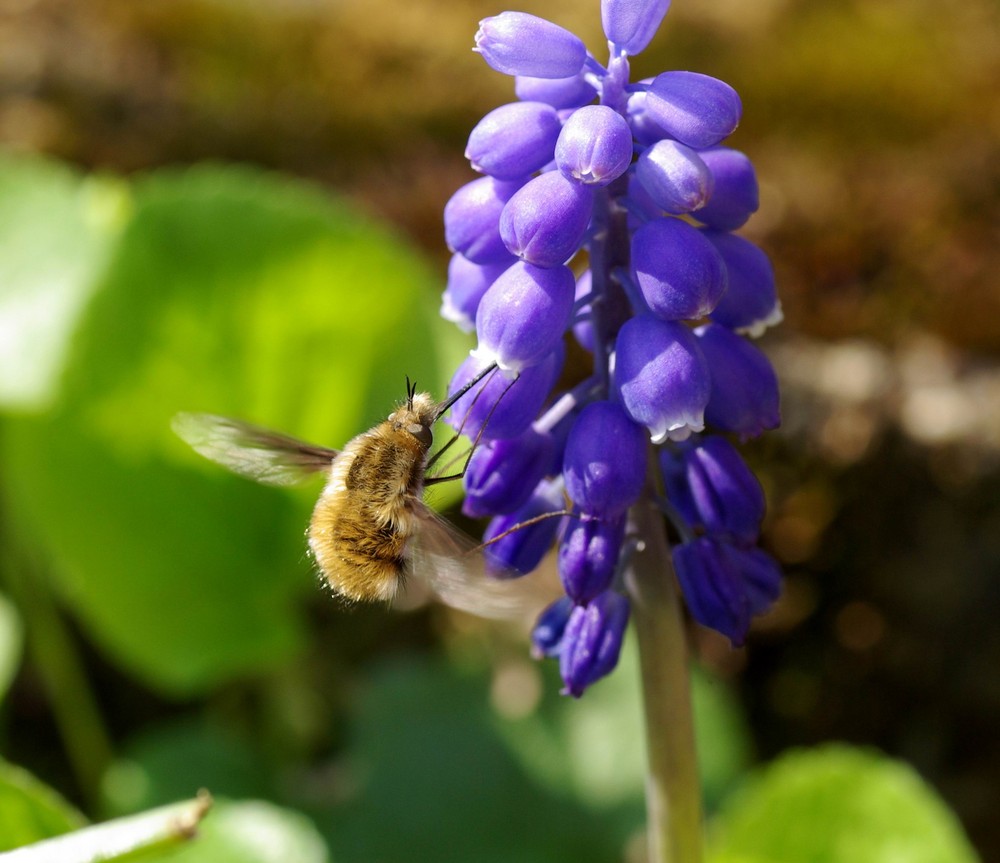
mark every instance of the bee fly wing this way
{"type": "Point", "coordinates": [258, 454]}
{"type": "Point", "coordinates": [452, 565]}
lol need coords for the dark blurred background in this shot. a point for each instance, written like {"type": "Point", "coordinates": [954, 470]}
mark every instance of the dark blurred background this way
{"type": "Point", "coordinates": [875, 129]}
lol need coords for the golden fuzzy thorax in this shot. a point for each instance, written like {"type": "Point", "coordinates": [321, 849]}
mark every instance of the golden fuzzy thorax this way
{"type": "Point", "coordinates": [364, 517]}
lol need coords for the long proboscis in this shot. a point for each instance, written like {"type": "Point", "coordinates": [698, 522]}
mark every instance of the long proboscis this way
{"type": "Point", "coordinates": [443, 407]}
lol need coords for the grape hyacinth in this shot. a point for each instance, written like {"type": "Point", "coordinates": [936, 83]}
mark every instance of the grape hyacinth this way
{"type": "Point", "coordinates": [605, 211]}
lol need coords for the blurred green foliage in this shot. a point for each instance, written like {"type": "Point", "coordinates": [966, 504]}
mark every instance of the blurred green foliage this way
{"type": "Point", "coordinates": [11, 643]}
{"type": "Point", "coordinates": [219, 289]}
{"type": "Point", "coordinates": [29, 810]}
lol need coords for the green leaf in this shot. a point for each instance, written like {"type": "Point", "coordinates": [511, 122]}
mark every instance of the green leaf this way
{"type": "Point", "coordinates": [252, 831]}
{"type": "Point", "coordinates": [142, 554]}
{"type": "Point", "coordinates": [55, 231]}
{"type": "Point", "coordinates": [176, 759]}
{"type": "Point", "coordinates": [838, 804]}
{"type": "Point", "coordinates": [235, 292]}
{"type": "Point", "coordinates": [31, 811]}
{"type": "Point", "coordinates": [434, 780]}
{"type": "Point", "coordinates": [11, 643]}
{"type": "Point", "coordinates": [142, 836]}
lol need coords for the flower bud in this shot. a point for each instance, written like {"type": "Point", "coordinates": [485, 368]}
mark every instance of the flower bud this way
{"type": "Point", "coordinates": [735, 196]}
{"type": "Point", "coordinates": [750, 304]}
{"type": "Point", "coordinates": [501, 474]}
{"type": "Point", "coordinates": [513, 141]}
{"type": "Point", "coordinates": [583, 330]}
{"type": "Point", "coordinates": [521, 550]}
{"type": "Point", "coordinates": [523, 315]}
{"type": "Point", "coordinates": [604, 465]}
{"type": "Point", "coordinates": [712, 487]}
{"type": "Point", "coordinates": [661, 377]}
{"type": "Point", "coordinates": [675, 177]}
{"type": "Point", "coordinates": [506, 409]}
{"type": "Point", "coordinates": [744, 395]}
{"type": "Point", "coordinates": [517, 43]}
{"type": "Point", "coordinates": [631, 24]}
{"type": "Point", "coordinates": [680, 273]}
{"type": "Point", "coordinates": [615, 310]}
{"type": "Point", "coordinates": [545, 220]}
{"type": "Point", "coordinates": [725, 586]}
{"type": "Point", "coordinates": [696, 109]}
{"type": "Point", "coordinates": [644, 128]}
{"type": "Point", "coordinates": [592, 641]}
{"type": "Point", "coordinates": [560, 93]}
{"type": "Point", "coordinates": [641, 207]}
{"type": "Point", "coordinates": [467, 282]}
{"type": "Point", "coordinates": [594, 146]}
{"type": "Point", "coordinates": [762, 577]}
{"type": "Point", "coordinates": [472, 220]}
{"type": "Point", "coordinates": [588, 555]}
{"type": "Point", "coordinates": [547, 636]}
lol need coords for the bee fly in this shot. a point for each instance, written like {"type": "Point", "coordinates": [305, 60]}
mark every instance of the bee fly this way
{"type": "Point", "coordinates": [370, 528]}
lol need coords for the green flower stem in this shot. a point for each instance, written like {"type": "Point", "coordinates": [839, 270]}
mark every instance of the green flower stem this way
{"type": "Point", "coordinates": [50, 644]}
{"type": "Point", "coordinates": [673, 794]}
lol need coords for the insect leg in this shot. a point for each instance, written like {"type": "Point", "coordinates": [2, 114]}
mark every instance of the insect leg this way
{"type": "Point", "coordinates": [492, 367]}
{"type": "Point", "coordinates": [454, 438]}
{"type": "Point", "coordinates": [436, 479]}
{"type": "Point", "coordinates": [528, 522]}
{"type": "Point", "coordinates": [454, 397]}
{"type": "Point", "coordinates": [434, 458]}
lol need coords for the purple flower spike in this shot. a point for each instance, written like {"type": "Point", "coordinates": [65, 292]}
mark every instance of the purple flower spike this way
{"type": "Point", "coordinates": [521, 550]}
{"type": "Point", "coordinates": [524, 314]}
{"type": "Point", "coordinates": [735, 196]}
{"type": "Point", "coordinates": [547, 636]}
{"type": "Point", "coordinates": [517, 43]}
{"type": "Point", "coordinates": [588, 556]}
{"type": "Point", "coordinates": [750, 305]}
{"type": "Point", "coordinates": [713, 489]}
{"type": "Point", "coordinates": [544, 222]}
{"type": "Point", "coordinates": [472, 220]}
{"type": "Point", "coordinates": [604, 465]}
{"type": "Point", "coordinates": [595, 146]}
{"type": "Point", "coordinates": [723, 585]}
{"type": "Point", "coordinates": [560, 93]}
{"type": "Point", "coordinates": [515, 140]}
{"type": "Point", "coordinates": [592, 641]}
{"type": "Point", "coordinates": [628, 183]}
{"type": "Point", "coordinates": [696, 109]}
{"type": "Point", "coordinates": [517, 404]}
{"type": "Point", "coordinates": [680, 273]}
{"type": "Point", "coordinates": [631, 24]}
{"type": "Point", "coordinates": [744, 396]}
{"type": "Point", "coordinates": [675, 177]}
{"type": "Point", "coordinates": [467, 282]}
{"type": "Point", "coordinates": [662, 377]}
{"type": "Point", "coordinates": [501, 473]}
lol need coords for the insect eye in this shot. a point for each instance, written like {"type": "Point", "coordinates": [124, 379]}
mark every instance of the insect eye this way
{"type": "Point", "coordinates": [422, 433]}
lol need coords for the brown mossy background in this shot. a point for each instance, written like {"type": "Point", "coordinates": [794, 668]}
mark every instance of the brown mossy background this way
{"type": "Point", "coordinates": [875, 129]}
